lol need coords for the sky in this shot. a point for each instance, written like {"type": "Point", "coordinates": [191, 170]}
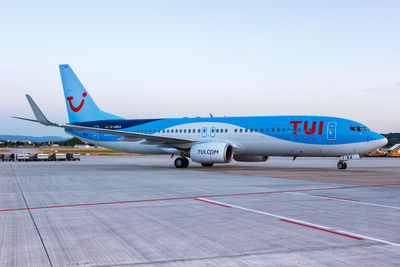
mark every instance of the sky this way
{"type": "Point", "coordinates": [159, 59]}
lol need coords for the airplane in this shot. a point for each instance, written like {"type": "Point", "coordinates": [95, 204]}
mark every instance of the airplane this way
{"type": "Point", "coordinates": [212, 139]}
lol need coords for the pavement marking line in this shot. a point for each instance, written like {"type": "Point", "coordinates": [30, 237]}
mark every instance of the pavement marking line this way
{"type": "Point", "coordinates": [322, 229]}
{"type": "Point", "coordinates": [307, 223]}
{"type": "Point", "coordinates": [209, 202]}
{"type": "Point", "coordinates": [338, 198]}
{"type": "Point", "coordinates": [192, 197]}
{"type": "Point", "coordinates": [346, 200]}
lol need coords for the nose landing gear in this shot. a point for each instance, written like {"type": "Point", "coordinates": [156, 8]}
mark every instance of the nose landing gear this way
{"type": "Point", "coordinates": [342, 165]}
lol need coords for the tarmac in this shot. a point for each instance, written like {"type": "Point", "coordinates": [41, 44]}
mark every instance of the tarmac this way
{"type": "Point", "coordinates": [140, 210]}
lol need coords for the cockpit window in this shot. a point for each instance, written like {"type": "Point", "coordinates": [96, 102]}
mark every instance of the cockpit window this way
{"type": "Point", "coordinates": [358, 128]}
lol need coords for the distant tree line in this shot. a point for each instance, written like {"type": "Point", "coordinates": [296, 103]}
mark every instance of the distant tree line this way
{"type": "Point", "coordinates": [393, 138]}
{"type": "Point", "coordinates": [13, 143]}
{"type": "Point", "coordinates": [70, 142]}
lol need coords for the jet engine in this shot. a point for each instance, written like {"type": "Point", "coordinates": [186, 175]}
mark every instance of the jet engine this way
{"type": "Point", "coordinates": [249, 158]}
{"type": "Point", "coordinates": [213, 152]}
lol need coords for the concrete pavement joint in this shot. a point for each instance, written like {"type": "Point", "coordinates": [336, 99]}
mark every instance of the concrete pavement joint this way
{"type": "Point", "coordinates": [345, 200]}
{"type": "Point", "coordinates": [30, 213]}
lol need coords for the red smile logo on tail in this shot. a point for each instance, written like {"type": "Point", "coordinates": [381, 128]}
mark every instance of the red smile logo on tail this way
{"type": "Point", "coordinates": [76, 109]}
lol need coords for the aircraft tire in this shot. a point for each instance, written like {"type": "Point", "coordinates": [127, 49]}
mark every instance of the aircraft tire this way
{"type": "Point", "coordinates": [342, 165]}
{"type": "Point", "coordinates": [181, 162]}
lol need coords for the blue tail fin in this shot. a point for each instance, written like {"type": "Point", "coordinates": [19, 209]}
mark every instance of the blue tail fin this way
{"type": "Point", "coordinates": [80, 105]}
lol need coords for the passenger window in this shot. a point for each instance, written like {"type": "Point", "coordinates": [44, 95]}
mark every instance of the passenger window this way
{"type": "Point", "coordinates": [184, 131]}
{"type": "Point", "coordinates": [272, 130]}
{"type": "Point", "coordinates": [235, 130]}
{"type": "Point", "coordinates": [299, 130]}
{"type": "Point", "coordinates": [267, 130]}
{"type": "Point", "coordinates": [198, 130]}
{"type": "Point", "coordinates": [278, 130]}
{"type": "Point", "coordinates": [261, 130]}
{"type": "Point", "coordinates": [217, 130]}
{"type": "Point", "coordinates": [189, 131]}
{"type": "Point", "coordinates": [240, 130]}
{"type": "Point", "coordinates": [180, 131]}
{"type": "Point", "coordinates": [246, 130]}
{"type": "Point", "coordinates": [288, 130]}
{"type": "Point", "coordinates": [226, 130]}
{"type": "Point", "coordinates": [251, 130]}
{"type": "Point", "coordinates": [256, 130]}
{"type": "Point", "coordinates": [212, 130]}
{"type": "Point", "coordinates": [283, 130]}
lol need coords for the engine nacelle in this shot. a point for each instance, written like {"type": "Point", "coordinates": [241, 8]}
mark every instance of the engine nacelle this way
{"type": "Point", "coordinates": [213, 152]}
{"type": "Point", "coordinates": [249, 158]}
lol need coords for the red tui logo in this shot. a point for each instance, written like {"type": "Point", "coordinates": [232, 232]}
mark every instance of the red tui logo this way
{"type": "Point", "coordinates": [76, 109]}
{"type": "Point", "coordinates": [308, 130]}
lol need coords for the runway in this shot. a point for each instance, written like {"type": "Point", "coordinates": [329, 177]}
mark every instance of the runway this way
{"type": "Point", "coordinates": [117, 211]}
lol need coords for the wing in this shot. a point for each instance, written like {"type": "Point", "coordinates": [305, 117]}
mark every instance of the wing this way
{"type": "Point", "coordinates": [127, 136]}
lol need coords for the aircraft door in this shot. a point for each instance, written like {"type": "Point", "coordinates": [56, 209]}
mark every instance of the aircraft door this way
{"type": "Point", "coordinates": [331, 133]}
{"type": "Point", "coordinates": [204, 132]}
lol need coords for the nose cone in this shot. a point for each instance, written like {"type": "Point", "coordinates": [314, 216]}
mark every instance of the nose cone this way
{"type": "Point", "coordinates": [379, 140]}
{"type": "Point", "coordinates": [384, 141]}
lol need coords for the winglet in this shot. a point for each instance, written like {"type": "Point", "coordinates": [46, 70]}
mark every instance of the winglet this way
{"type": "Point", "coordinates": [38, 113]}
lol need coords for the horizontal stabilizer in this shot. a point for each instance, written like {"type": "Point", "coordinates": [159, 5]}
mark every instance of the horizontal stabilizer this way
{"type": "Point", "coordinates": [25, 119]}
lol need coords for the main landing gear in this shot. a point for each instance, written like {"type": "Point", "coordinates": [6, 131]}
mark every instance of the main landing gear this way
{"type": "Point", "coordinates": [181, 162]}
{"type": "Point", "coordinates": [342, 165]}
